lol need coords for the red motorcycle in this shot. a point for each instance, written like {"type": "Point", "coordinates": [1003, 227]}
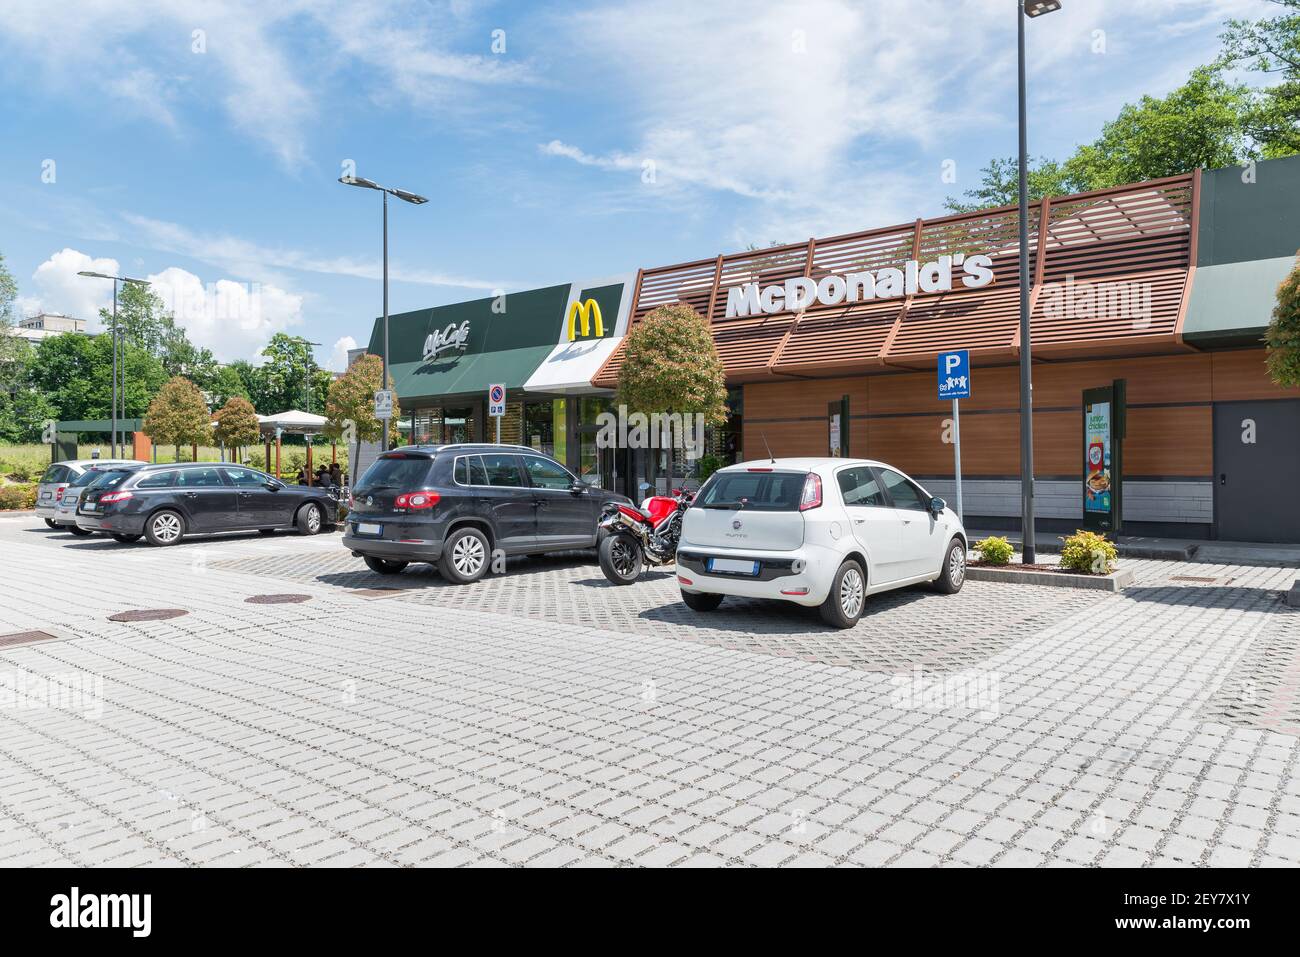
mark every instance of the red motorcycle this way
{"type": "Point", "coordinates": [631, 538]}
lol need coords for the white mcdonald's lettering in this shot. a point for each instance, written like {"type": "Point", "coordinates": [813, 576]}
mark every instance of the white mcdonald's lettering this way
{"type": "Point", "coordinates": [802, 292]}
{"type": "Point", "coordinates": [453, 337]}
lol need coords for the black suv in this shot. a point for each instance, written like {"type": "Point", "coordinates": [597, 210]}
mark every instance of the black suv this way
{"type": "Point", "coordinates": [164, 503]}
{"type": "Point", "coordinates": [453, 505]}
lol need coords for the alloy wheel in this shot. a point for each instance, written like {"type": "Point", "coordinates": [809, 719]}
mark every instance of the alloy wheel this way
{"type": "Point", "coordinates": [851, 593]}
{"type": "Point", "coordinates": [167, 527]}
{"type": "Point", "coordinates": [468, 555]}
{"type": "Point", "coordinates": [621, 556]}
{"type": "Point", "coordinates": [957, 565]}
{"type": "Point", "coordinates": [313, 519]}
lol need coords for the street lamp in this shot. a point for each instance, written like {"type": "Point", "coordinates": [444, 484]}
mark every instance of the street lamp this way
{"type": "Point", "coordinates": [1031, 9]}
{"type": "Point", "coordinates": [409, 197]}
{"type": "Point", "coordinates": [116, 280]}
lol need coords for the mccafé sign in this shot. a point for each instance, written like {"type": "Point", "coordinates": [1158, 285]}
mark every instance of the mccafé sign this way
{"type": "Point", "coordinates": [440, 341]}
{"type": "Point", "coordinates": [802, 292]}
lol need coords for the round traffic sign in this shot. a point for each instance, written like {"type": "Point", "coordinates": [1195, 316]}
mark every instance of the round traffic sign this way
{"type": "Point", "coordinates": [498, 393]}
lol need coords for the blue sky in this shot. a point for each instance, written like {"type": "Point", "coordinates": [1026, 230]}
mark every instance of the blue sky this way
{"type": "Point", "coordinates": [603, 137]}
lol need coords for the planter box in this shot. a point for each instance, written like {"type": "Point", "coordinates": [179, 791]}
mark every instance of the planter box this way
{"type": "Point", "coordinates": [1120, 578]}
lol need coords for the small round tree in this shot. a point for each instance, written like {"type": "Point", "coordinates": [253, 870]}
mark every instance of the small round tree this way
{"type": "Point", "coordinates": [671, 366]}
{"type": "Point", "coordinates": [236, 424]}
{"type": "Point", "coordinates": [351, 398]}
{"type": "Point", "coordinates": [178, 416]}
{"type": "Point", "coordinates": [1283, 336]}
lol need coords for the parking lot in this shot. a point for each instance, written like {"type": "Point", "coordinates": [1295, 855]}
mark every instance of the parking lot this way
{"type": "Point", "coordinates": [547, 717]}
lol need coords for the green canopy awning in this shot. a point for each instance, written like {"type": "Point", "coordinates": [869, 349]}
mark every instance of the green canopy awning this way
{"type": "Point", "coordinates": [508, 337]}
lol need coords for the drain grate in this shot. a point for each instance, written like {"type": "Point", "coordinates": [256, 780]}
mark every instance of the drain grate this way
{"type": "Point", "coordinates": [148, 614]}
{"type": "Point", "coordinates": [1192, 578]}
{"type": "Point", "coordinates": [25, 638]}
{"type": "Point", "coordinates": [285, 599]}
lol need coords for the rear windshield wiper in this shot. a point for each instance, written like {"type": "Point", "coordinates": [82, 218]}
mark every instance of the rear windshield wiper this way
{"type": "Point", "coordinates": [724, 505]}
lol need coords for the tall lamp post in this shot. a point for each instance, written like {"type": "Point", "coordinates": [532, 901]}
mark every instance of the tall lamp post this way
{"type": "Point", "coordinates": [410, 198]}
{"type": "Point", "coordinates": [1030, 9]}
{"type": "Point", "coordinates": [116, 280]}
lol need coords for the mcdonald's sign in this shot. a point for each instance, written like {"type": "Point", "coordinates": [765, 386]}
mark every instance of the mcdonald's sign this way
{"type": "Point", "coordinates": [586, 311]}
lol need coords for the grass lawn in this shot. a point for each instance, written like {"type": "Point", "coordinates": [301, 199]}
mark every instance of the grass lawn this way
{"type": "Point", "coordinates": [26, 463]}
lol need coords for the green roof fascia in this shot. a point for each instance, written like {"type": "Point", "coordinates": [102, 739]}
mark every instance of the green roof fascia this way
{"type": "Point", "coordinates": [466, 374]}
{"type": "Point", "coordinates": [1234, 301]}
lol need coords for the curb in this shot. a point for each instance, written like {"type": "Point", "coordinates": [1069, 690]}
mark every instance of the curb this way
{"type": "Point", "coordinates": [1293, 596]}
{"type": "Point", "coordinates": [1113, 582]}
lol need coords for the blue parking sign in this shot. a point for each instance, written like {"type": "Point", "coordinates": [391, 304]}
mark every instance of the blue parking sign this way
{"type": "Point", "coordinates": [954, 375]}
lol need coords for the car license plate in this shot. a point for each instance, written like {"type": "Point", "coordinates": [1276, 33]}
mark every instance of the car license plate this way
{"type": "Point", "coordinates": [89, 507]}
{"type": "Point", "coordinates": [733, 565]}
{"type": "Point", "coordinates": [369, 528]}
{"type": "Point", "coordinates": [45, 496]}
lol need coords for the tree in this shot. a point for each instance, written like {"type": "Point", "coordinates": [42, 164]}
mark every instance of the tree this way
{"type": "Point", "coordinates": [671, 367]}
{"type": "Point", "coordinates": [76, 373]}
{"type": "Point", "coordinates": [1283, 335]}
{"type": "Point", "coordinates": [226, 384]}
{"type": "Point", "coordinates": [178, 416]}
{"type": "Point", "coordinates": [1000, 185]}
{"type": "Point", "coordinates": [352, 399]}
{"type": "Point", "coordinates": [237, 423]}
{"type": "Point", "coordinates": [1200, 124]}
{"type": "Point", "coordinates": [287, 373]}
{"type": "Point", "coordinates": [1270, 46]}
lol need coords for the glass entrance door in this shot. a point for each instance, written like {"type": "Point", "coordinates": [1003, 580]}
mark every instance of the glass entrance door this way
{"type": "Point", "coordinates": [458, 424]}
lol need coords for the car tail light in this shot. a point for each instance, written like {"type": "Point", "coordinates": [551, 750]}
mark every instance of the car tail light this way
{"type": "Point", "coordinates": [794, 591]}
{"type": "Point", "coordinates": [112, 497]}
{"type": "Point", "coordinates": [58, 493]}
{"type": "Point", "coordinates": [812, 492]}
{"type": "Point", "coordinates": [757, 470]}
{"type": "Point", "coordinates": [352, 501]}
{"type": "Point", "coordinates": [684, 580]}
{"type": "Point", "coordinates": [417, 500]}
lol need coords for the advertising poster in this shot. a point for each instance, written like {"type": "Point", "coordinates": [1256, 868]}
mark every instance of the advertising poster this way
{"type": "Point", "coordinates": [1097, 461]}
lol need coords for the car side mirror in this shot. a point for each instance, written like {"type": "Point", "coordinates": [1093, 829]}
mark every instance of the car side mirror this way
{"type": "Point", "coordinates": [937, 505]}
{"type": "Point", "coordinates": [273, 486]}
{"type": "Point", "coordinates": [577, 488]}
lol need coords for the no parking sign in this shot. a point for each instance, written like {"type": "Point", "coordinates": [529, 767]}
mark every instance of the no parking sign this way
{"type": "Point", "coordinates": [497, 400]}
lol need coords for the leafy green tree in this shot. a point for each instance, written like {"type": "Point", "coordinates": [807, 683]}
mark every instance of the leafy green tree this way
{"type": "Point", "coordinates": [1283, 336]}
{"type": "Point", "coordinates": [1000, 185]}
{"type": "Point", "coordinates": [254, 383]}
{"type": "Point", "coordinates": [287, 373]}
{"type": "Point", "coordinates": [178, 416]}
{"type": "Point", "coordinates": [1270, 46]}
{"type": "Point", "coordinates": [671, 367]}
{"type": "Point", "coordinates": [236, 423]}
{"type": "Point", "coordinates": [352, 400]}
{"type": "Point", "coordinates": [224, 385]}
{"type": "Point", "coordinates": [1200, 124]}
{"type": "Point", "coordinates": [75, 373]}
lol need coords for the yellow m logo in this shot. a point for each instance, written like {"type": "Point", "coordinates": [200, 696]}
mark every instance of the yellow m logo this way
{"type": "Point", "coordinates": [586, 311]}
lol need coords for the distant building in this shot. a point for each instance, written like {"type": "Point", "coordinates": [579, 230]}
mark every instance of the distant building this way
{"type": "Point", "coordinates": [45, 324]}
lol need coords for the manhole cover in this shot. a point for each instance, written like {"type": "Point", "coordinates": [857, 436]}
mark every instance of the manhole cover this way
{"type": "Point", "coordinates": [25, 638]}
{"type": "Point", "coordinates": [287, 599]}
{"type": "Point", "coordinates": [148, 614]}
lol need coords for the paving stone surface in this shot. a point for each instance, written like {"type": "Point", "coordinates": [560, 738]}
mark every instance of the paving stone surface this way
{"type": "Point", "coordinates": [544, 717]}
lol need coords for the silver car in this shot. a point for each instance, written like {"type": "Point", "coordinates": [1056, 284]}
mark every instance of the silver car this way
{"type": "Point", "coordinates": [54, 483]}
{"type": "Point", "coordinates": [65, 513]}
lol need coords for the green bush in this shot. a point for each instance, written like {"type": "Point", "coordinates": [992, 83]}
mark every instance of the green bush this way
{"type": "Point", "coordinates": [1088, 552]}
{"type": "Point", "coordinates": [17, 496]}
{"type": "Point", "coordinates": [705, 466]}
{"type": "Point", "coordinates": [995, 550]}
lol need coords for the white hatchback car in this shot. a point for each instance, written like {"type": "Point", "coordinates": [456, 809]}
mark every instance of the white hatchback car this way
{"type": "Point", "coordinates": [820, 532]}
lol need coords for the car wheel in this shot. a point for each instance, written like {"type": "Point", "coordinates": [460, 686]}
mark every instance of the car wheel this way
{"type": "Point", "coordinates": [621, 559]}
{"type": "Point", "coordinates": [123, 538]}
{"type": "Point", "coordinates": [78, 530]}
{"type": "Point", "coordinates": [384, 566]}
{"type": "Point", "coordinates": [701, 601]}
{"type": "Point", "coordinates": [953, 574]}
{"type": "Point", "coordinates": [465, 556]}
{"type": "Point", "coordinates": [843, 606]}
{"type": "Point", "coordinates": [310, 518]}
{"type": "Point", "coordinates": [164, 528]}
{"type": "Point", "coordinates": [51, 523]}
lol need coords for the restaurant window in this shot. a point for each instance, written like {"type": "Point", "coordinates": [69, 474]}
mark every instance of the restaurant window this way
{"type": "Point", "coordinates": [458, 425]}
{"type": "Point", "coordinates": [539, 426]}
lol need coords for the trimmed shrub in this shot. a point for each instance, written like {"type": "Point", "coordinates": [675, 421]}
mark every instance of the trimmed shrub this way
{"type": "Point", "coordinates": [1088, 552]}
{"type": "Point", "coordinates": [995, 550]}
{"type": "Point", "coordinates": [17, 497]}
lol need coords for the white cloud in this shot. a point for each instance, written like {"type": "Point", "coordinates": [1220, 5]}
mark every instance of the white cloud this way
{"type": "Point", "coordinates": [246, 258]}
{"type": "Point", "coordinates": [339, 354]}
{"type": "Point", "coordinates": [59, 289]}
{"type": "Point", "coordinates": [233, 319]}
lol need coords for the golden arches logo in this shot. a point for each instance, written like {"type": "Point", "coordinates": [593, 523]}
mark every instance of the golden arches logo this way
{"type": "Point", "coordinates": [586, 311]}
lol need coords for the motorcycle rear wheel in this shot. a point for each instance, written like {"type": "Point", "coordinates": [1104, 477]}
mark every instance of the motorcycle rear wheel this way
{"type": "Point", "coordinates": [621, 559]}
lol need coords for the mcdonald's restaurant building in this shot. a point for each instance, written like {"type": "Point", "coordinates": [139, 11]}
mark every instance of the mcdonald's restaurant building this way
{"type": "Point", "coordinates": [830, 347]}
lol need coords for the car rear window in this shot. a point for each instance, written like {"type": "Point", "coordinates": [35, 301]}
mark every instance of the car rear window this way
{"type": "Point", "coordinates": [763, 491]}
{"type": "Point", "coordinates": [397, 472]}
{"type": "Point", "coordinates": [109, 479]}
{"type": "Point", "coordinates": [86, 477]}
{"type": "Point", "coordinates": [55, 474]}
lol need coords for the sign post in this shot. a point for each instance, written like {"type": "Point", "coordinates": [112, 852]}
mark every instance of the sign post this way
{"type": "Point", "coordinates": [955, 384]}
{"type": "Point", "coordinates": [497, 405]}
